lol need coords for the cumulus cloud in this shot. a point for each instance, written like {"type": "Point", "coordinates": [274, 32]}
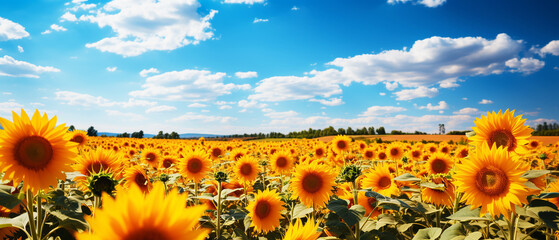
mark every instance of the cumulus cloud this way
{"type": "Point", "coordinates": [259, 20]}
{"type": "Point", "coordinates": [551, 48]}
{"type": "Point", "coordinates": [8, 107]}
{"type": "Point", "coordinates": [19, 48]}
{"type": "Point", "coordinates": [485, 101]}
{"type": "Point", "coordinates": [468, 111]}
{"type": "Point", "coordinates": [10, 30]}
{"type": "Point", "coordinates": [111, 69]}
{"type": "Point", "coordinates": [86, 100]}
{"type": "Point", "coordinates": [409, 94]}
{"type": "Point", "coordinates": [161, 108]}
{"type": "Point", "coordinates": [441, 106]}
{"type": "Point", "coordinates": [390, 86]}
{"type": "Point", "coordinates": [249, 74]}
{"type": "Point", "coordinates": [381, 110]}
{"type": "Point", "coordinates": [197, 105]}
{"type": "Point", "coordinates": [525, 65]}
{"type": "Point", "coordinates": [251, 104]}
{"type": "Point", "coordinates": [250, 2]}
{"type": "Point", "coordinates": [193, 85]}
{"type": "Point", "coordinates": [15, 68]}
{"type": "Point", "coordinates": [146, 72]}
{"type": "Point", "coordinates": [225, 107]}
{"type": "Point", "coordinates": [331, 102]}
{"type": "Point", "coordinates": [190, 116]}
{"type": "Point", "coordinates": [68, 17]}
{"type": "Point", "coordinates": [145, 25]}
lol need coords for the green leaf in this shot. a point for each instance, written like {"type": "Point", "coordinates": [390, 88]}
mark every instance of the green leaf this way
{"type": "Point", "coordinates": [549, 195]}
{"type": "Point", "coordinates": [404, 227]}
{"type": "Point", "coordinates": [407, 177]}
{"type": "Point", "coordinates": [70, 219]}
{"type": "Point", "coordinates": [453, 231]}
{"type": "Point", "coordinates": [467, 214]}
{"type": "Point", "coordinates": [531, 185]}
{"type": "Point", "coordinates": [385, 219]}
{"type": "Point", "coordinates": [301, 211]}
{"type": "Point", "coordinates": [473, 236]}
{"type": "Point", "coordinates": [433, 186]}
{"type": "Point", "coordinates": [428, 234]}
{"type": "Point", "coordinates": [535, 173]}
{"type": "Point", "coordinates": [339, 206]}
{"type": "Point", "coordinates": [19, 221]}
{"type": "Point", "coordinates": [8, 200]}
{"type": "Point", "coordinates": [233, 214]}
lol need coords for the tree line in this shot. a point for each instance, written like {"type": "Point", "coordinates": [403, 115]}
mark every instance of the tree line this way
{"type": "Point", "coordinates": [329, 131]}
{"type": "Point", "coordinates": [545, 129]}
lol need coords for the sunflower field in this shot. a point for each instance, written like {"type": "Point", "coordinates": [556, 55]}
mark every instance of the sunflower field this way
{"type": "Point", "coordinates": [58, 184]}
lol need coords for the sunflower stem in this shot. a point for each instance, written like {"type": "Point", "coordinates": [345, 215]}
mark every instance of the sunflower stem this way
{"type": "Point", "coordinates": [39, 215]}
{"type": "Point", "coordinates": [30, 214]}
{"type": "Point", "coordinates": [218, 225]}
{"type": "Point", "coordinates": [513, 226]}
{"type": "Point", "coordinates": [355, 202]}
{"type": "Point", "coordinates": [196, 201]}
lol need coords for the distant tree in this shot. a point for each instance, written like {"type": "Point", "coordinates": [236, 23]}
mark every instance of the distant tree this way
{"type": "Point", "coordinates": [123, 135]}
{"type": "Point", "coordinates": [381, 131]}
{"type": "Point", "coordinates": [174, 135]}
{"type": "Point", "coordinates": [71, 128]}
{"type": "Point", "coordinates": [350, 131]}
{"type": "Point", "coordinates": [371, 131]}
{"type": "Point", "coordinates": [341, 131]}
{"type": "Point", "coordinates": [91, 131]}
{"type": "Point", "coordinates": [141, 134]}
{"type": "Point", "coordinates": [159, 135]}
{"type": "Point", "coordinates": [396, 132]}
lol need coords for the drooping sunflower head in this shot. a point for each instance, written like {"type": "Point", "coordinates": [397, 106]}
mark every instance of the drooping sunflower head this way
{"type": "Point", "coordinates": [381, 181]}
{"type": "Point", "coordinates": [281, 162]}
{"type": "Point", "coordinates": [79, 136]}
{"type": "Point", "coordinates": [35, 150]}
{"type": "Point", "coordinates": [503, 130]}
{"type": "Point", "coordinates": [341, 144]}
{"type": "Point", "coordinates": [298, 231]}
{"type": "Point", "coordinates": [151, 156]}
{"type": "Point", "coordinates": [265, 211]}
{"type": "Point", "coordinates": [153, 216]}
{"type": "Point", "coordinates": [246, 169]}
{"type": "Point", "coordinates": [195, 165]}
{"type": "Point", "coordinates": [443, 196]}
{"type": "Point", "coordinates": [439, 163]}
{"type": "Point", "coordinates": [492, 179]}
{"type": "Point", "coordinates": [312, 183]}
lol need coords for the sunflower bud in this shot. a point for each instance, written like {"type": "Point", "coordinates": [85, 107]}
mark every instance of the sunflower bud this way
{"type": "Point", "coordinates": [543, 156]}
{"type": "Point", "coordinates": [220, 176]}
{"type": "Point", "coordinates": [101, 182]}
{"type": "Point", "coordinates": [350, 173]}
{"type": "Point", "coordinates": [164, 177]}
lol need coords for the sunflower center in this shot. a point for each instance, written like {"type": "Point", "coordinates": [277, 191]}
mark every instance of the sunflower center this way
{"type": "Point", "coordinates": [432, 149]}
{"type": "Point", "coordinates": [140, 179]}
{"type": "Point", "coordinates": [246, 169]}
{"type": "Point", "coordinates": [502, 138]}
{"type": "Point", "coordinates": [150, 157]}
{"type": "Point", "coordinates": [444, 150]}
{"type": "Point", "coordinates": [238, 155]}
{"type": "Point", "coordinates": [281, 162]}
{"type": "Point", "coordinates": [216, 152]}
{"type": "Point", "coordinates": [167, 163]}
{"type": "Point", "coordinates": [394, 152]}
{"type": "Point", "coordinates": [492, 181]}
{"type": "Point", "coordinates": [438, 166]}
{"type": "Point", "coordinates": [534, 144]}
{"type": "Point", "coordinates": [382, 156]}
{"type": "Point", "coordinates": [33, 152]}
{"type": "Point", "coordinates": [146, 233]}
{"type": "Point", "coordinates": [312, 183]}
{"type": "Point", "coordinates": [194, 165]}
{"type": "Point", "coordinates": [319, 152]}
{"type": "Point", "coordinates": [384, 182]}
{"type": "Point", "coordinates": [369, 154]}
{"type": "Point", "coordinates": [262, 209]}
{"type": "Point", "coordinates": [416, 154]}
{"type": "Point", "coordinates": [78, 139]}
{"type": "Point", "coordinates": [341, 144]}
{"type": "Point", "coordinates": [464, 153]}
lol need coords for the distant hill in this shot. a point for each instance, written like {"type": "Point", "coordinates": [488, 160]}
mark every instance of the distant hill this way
{"type": "Point", "coordinates": [183, 135]}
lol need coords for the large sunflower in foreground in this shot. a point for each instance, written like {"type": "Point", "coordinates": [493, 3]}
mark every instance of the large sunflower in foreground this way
{"type": "Point", "coordinates": [35, 150]}
{"type": "Point", "coordinates": [503, 129]}
{"type": "Point", "coordinates": [157, 216]}
{"type": "Point", "coordinates": [380, 180]}
{"type": "Point", "coordinates": [265, 211]}
{"type": "Point", "coordinates": [196, 165]}
{"type": "Point", "coordinates": [491, 179]}
{"type": "Point", "coordinates": [298, 231]}
{"type": "Point", "coordinates": [312, 183]}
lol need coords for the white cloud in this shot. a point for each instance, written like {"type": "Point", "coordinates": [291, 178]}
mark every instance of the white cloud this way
{"type": "Point", "coordinates": [258, 20]}
{"type": "Point", "coordinates": [331, 102]}
{"type": "Point", "coordinates": [485, 101]}
{"type": "Point", "coordinates": [249, 74]}
{"type": "Point", "coordinates": [468, 111]}
{"type": "Point", "coordinates": [199, 85]}
{"type": "Point", "coordinates": [551, 48]}
{"type": "Point", "coordinates": [14, 68]}
{"type": "Point", "coordinates": [391, 86]}
{"type": "Point", "coordinates": [251, 104]}
{"type": "Point", "coordinates": [8, 107]}
{"type": "Point", "coordinates": [146, 25]}
{"type": "Point", "coordinates": [449, 83]}
{"type": "Point", "coordinates": [146, 72]}
{"type": "Point", "coordinates": [125, 116]}
{"type": "Point", "coordinates": [197, 105]}
{"type": "Point", "coordinates": [37, 104]}
{"type": "Point", "coordinates": [224, 103]}
{"type": "Point", "coordinates": [382, 94]}
{"type": "Point", "coordinates": [427, 3]}
{"type": "Point", "coordinates": [68, 17]}
{"type": "Point", "coordinates": [464, 98]}
{"type": "Point", "coordinates": [294, 8]}
{"type": "Point", "coordinates": [381, 110]}
{"type": "Point", "coordinates": [280, 115]}
{"type": "Point", "coordinates": [19, 48]}
{"type": "Point", "coordinates": [161, 108]}
{"type": "Point", "coordinates": [408, 94]}
{"type": "Point", "coordinates": [250, 2]}
{"type": "Point", "coordinates": [225, 107]}
{"type": "Point", "coordinates": [442, 106]}
{"type": "Point", "coordinates": [82, 99]}
{"type": "Point", "coordinates": [57, 28]}
{"type": "Point", "coordinates": [46, 32]}
{"type": "Point", "coordinates": [190, 116]}
{"type": "Point", "coordinates": [111, 69]}
{"type": "Point", "coordinates": [525, 65]}
{"type": "Point", "coordinates": [10, 30]}
{"type": "Point", "coordinates": [535, 122]}
{"type": "Point", "coordinates": [6, 93]}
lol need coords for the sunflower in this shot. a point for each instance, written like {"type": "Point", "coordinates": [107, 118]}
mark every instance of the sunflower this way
{"type": "Point", "coordinates": [341, 144]}
{"type": "Point", "coordinates": [369, 153]}
{"type": "Point", "coordinates": [502, 129]}
{"type": "Point", "coordinates": [395, 151]}
{"type": "Point", "coordinates": [281, 162]}
{"type": "Point", "coordinates": [215, 152]}
{"type": "Point", "coordinates": [152, 157]}
{"type": "Point", "coordinates": [95, 161]}
{"type": "Point", "coordinates": [265, 211]}
{"type": "Point", "coordinates": [491, 179]}
{"type": "Point", "coordinates": [136, 176]}
{"type": "Point", "coordinates": [236, 154]}
{"type": "Point", "coordinates": [370, 205]}
{"type": "Point", "coordinates": [168, 162]}
{"type": "Point", "coordinates": [35, 150]}
{"type": "Point", "coordinates": [415, 154]}
{"type": "Point", "coordinates": [462, 152]}
{"type": "Point", "coordinates": [380, 180]}
{"type": "Point", "coordinates": [196, 165]}
{"type": "Point", "coordinates": [439, 163]}
{"type": "Point", "coordinates": [554, 187]}
{"type": "Point", "coordinates": [246, 169]}
{"type": "Point", "coordinates": [319, 151]}
{"type": "Point", "coordinates": [312, 183]}
{"type": "Point", "coordinates": [298, 231]}
{"type": "Point", "coordinates": [157, 215]}
{"type": "Point", "coordinates": [79, 137]}
{"type": "Point", "coordinates": [534, 144]}
{"type": "Point", "coordinates": [439, 197]}
{"type": "Point", "coordinates": [382, 156]}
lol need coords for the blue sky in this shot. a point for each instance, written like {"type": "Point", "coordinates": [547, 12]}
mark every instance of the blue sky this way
{"type": "Point", "coordinates": [236, 66]}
